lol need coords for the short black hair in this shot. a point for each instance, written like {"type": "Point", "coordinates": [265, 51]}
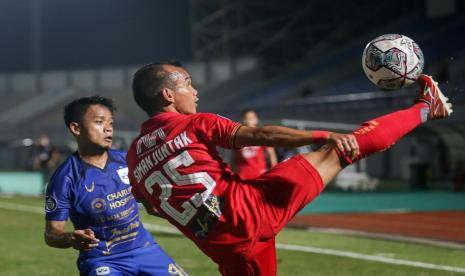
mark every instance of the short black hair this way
{"type": "Point", "coordinates": [247, 110]}
{"type": "Point", "coordinates": [75, 110]}
{"type": "Point", "coordinates": [148, 81]}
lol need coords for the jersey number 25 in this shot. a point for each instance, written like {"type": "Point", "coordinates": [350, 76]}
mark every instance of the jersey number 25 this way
{"type": "Point", "coordinates": [189, 207]}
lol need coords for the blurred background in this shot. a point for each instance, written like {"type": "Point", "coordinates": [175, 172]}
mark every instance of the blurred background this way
{"type": "Point", "coordinates": [297, 63]}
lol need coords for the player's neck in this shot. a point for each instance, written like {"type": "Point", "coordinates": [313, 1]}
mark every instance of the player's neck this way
{"type": "Point", "coordinates": [169, 108]}
{"type": "Point", "coordinates": [94, 158]}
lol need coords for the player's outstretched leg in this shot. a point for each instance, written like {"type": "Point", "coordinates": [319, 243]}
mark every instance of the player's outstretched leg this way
{"type": "Point", "coordinates": [289, 186]}
{"type": "Point", "coordinates": [381, 133]}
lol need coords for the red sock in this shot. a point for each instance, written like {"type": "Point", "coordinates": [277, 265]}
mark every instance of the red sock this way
{"type": "Point", "coordinates": [381, 133]}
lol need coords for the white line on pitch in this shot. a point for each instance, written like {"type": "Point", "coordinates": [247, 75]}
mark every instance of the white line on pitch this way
{"type": "Point", "coordinates": [381, 259]}
{"type": "Point", "coordinates": [289, 247]}
{"type": "Point", "coordinates": [339, 253]}
{"type": "Point", "coordinates": [21, 207]}
{"type": "Point", "coordinates": [161, 229]}
{"type": "Point", "coordinates": [390, 237]}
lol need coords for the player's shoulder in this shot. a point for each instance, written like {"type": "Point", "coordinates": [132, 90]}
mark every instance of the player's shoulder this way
{"type": "Point", "coordinates": [209, 116]}
{"type": "Point", "coordinates": [69, 170]}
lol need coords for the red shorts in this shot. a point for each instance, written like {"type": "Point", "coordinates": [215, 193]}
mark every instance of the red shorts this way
{"type": "Point", "coordinates": [262, 263]}
{"type": "Point", "coordinates": [258, 209]}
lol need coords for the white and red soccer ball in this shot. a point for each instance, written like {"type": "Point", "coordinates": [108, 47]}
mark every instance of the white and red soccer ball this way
{"type": "Point", "coordinates": [392, 61]}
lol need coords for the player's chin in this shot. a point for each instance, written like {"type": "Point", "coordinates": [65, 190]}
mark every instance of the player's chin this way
{"type": "Point", "coordinates": [106, 145]}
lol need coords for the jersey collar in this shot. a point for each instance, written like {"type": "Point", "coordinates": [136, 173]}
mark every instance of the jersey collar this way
{"type": "Point", "coordinates": [158, 117]}
{"type": "Point", "coordinates": [86, 166]}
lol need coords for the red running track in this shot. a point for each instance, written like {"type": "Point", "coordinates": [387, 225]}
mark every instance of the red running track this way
{"type": "Point", "coordinates": [448, 226]}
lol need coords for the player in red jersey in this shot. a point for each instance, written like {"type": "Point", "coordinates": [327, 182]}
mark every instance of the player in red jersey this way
{"type": "Point", "coordinates": [175, 168]}
{"type": "Point", "coordinates": [250, 161]}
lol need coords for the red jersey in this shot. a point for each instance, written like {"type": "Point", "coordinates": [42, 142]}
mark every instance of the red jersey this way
{"type": "Point", "coordinates": [175, 166]}
{"type": "Point", "coordinates": [250, 161]}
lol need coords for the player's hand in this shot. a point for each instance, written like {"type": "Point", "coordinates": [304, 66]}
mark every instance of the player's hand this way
{"type": "Point", "coordinates": [345, 143]}
{"type": "Point", "coordinates": [84, 239]}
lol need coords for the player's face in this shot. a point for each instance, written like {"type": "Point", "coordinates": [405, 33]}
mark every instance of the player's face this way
{"type": "Point", "coordinates": [185, 95]}
{"type": "Point", "coordinates": [97, 126]}
{"type": "Point", "coordinates": [250, 119]}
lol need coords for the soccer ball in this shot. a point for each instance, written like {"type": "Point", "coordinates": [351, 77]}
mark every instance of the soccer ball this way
{"type": "Point", "coordinates": [392, 61]}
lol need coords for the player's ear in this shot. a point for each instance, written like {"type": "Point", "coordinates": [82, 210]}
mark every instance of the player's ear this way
{"type": "Point", "coordinates": [168, 95]}
{"type": "Point", "coordinates": [75, 128]}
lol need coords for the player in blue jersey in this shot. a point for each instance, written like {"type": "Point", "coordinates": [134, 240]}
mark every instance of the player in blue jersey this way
{"type": "Point", "coordinates": [92, 189]}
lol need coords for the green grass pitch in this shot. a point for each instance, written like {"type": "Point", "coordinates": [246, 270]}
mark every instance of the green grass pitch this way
{"type": "Point", "coordinates": [25, 253]}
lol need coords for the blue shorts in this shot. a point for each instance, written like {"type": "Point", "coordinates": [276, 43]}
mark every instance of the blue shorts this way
{"type": "Point", "coordinates": [150, 260]}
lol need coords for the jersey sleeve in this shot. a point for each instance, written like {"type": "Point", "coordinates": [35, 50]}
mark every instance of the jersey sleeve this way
{"type": "Point", "coordinates": [216, 129]}
{"type": "Point", "coordinates": [57, 199]}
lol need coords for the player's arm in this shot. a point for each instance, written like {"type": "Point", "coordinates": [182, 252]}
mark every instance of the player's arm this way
{"type": "Point", "coordinates": [272, 155]}
{"type": "Point", "coordinates": [57, 208]}
{"type": "Point", "coordinates": [56, 236]}
{"type": "Point", "coordinates": [278, 136]}
{"type": "Point", "coordinates": [228, 134]}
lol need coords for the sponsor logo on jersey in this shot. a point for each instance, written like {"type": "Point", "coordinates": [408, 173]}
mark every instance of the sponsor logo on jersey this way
{"type": "Point", "coordinates": [103, 270]}
{"type": "Point", "coordinates": [123, 174]}
{"type": "Point", "coordinates": [149, 140]}
{"type": "Point", "coordinates": [50, 204]}
{"type": "Point", "coordinates": [98, 205]}
{"type": "Point", "coordinates": [91, 189]}
{"type": "Point", "coordinates": [161, 153]}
